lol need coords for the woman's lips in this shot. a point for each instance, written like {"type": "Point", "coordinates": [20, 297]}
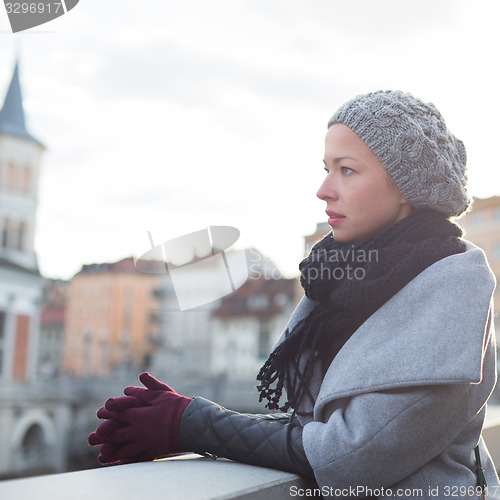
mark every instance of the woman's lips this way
{"type": "Point", "coordinates": [334, 218]}
{"type": "Point", "coordinates": [334, 221]}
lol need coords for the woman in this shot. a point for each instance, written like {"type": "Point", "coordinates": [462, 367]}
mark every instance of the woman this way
{"type": "Point", "coordinates": [389, 359]}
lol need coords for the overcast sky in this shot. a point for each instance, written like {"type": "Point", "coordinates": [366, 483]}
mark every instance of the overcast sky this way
{"type": "Point", "coordinates": [168, 116]}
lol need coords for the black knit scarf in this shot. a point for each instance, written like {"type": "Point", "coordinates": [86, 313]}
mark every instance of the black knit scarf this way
{"type": "Point", "coordinates": [350, 282]}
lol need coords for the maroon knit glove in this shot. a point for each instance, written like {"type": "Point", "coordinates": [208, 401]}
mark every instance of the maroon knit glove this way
{"type": "Point", "coordinates": [141, 426]}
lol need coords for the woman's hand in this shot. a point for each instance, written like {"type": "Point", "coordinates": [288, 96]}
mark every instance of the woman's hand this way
{"type": "Point", "coordinates": [140, 426]}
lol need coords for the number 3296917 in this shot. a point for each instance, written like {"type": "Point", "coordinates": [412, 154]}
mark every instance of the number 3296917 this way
{"type": "Point", "coordinates": [34, 7]}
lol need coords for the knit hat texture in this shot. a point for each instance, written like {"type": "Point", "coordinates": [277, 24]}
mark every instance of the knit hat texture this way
{"type": "Point", "coordinates": [425, 160]}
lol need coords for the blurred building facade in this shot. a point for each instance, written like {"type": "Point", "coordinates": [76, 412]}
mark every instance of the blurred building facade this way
{"type": "Point", "coordinates": [198, 348]}
{"type": "Point", "coordinates": [482, 227]}
{"type": "Point", "coordinates": [20, 280]}
{"type": "Point", "coordinates": [247, 324]}
{"type": "Point", "coordinates": [186, 336]}
{"type": "Point", "coordinates": [51, 342]}
{"type": "Point", "coordinates": [110, 322]}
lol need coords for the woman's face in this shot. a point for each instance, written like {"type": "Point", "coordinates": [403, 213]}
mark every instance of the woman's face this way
{"type": "Point", "coordinates": [361, 199]}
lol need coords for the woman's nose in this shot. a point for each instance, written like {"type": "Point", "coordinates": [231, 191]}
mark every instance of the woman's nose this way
{"type": "Point", "coordinates": [327, 190]}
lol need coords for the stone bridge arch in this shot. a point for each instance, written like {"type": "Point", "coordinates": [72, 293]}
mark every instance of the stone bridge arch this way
{"type": "Point", "coordinates": [33, 442]}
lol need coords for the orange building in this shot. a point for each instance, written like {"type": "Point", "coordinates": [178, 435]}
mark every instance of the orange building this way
{"type": "Point", "coordinates": [110, 319]}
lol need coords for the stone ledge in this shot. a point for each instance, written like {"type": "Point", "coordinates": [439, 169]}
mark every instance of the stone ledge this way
{"type": "Point", "coordinates": [187, 476]}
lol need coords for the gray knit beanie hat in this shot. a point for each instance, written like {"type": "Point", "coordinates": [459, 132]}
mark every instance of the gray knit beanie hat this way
{"type": "Point", "coordinates": [411, 139]}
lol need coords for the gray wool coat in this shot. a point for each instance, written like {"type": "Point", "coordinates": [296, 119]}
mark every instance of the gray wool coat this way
{"type": "Point", "coordinates": [402, 405]}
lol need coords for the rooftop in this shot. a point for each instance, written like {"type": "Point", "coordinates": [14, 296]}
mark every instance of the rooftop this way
{"type": "Point", "coordinates": [258, 296]}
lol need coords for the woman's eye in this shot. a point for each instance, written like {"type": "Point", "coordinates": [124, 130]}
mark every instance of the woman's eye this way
{"type": "Point", "coordinates": [347, 170]}
{"type": "Point", "coordinates": [326, 170]}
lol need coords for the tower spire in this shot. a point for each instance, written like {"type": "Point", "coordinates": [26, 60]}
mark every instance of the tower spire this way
{"type": "Point", "coordinates": [12, 120]}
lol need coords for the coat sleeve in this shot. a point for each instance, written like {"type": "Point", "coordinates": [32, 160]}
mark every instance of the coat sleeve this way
{"type": "Point", "coordinates": [268, 441]}
{"type": "Point", "coordinates": [376, 439]}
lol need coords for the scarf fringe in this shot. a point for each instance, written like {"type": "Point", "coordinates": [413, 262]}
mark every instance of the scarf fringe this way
{"type": "Point", "coordinates": [407, 248]}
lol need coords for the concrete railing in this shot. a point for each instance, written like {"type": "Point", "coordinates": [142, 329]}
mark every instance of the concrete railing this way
{"type": "Point", "coordinates": [184, 477]}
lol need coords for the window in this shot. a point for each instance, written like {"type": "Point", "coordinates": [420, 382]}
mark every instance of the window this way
{"type": "Point", "coordinates": [11, 175]}
{"type": "Point", "coordinates": [26, 180]}
{"type": "Point", "coordinates": [258, 301]}
{"type": "Point", "coordinates": [21, 231]}
{"type": "Point", "coordinates": [11, 236]}
{"type": "Point", "coordinates": [5, 233]}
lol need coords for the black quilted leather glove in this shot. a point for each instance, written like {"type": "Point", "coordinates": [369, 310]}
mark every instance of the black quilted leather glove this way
{"type": "Point", "coordinates": [264, 440]}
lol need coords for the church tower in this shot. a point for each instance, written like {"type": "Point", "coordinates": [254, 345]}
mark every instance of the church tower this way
{"type": "Point", "coordinates": [20, 280]}
{"type": "Point", "coordinates": [19, 165]}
